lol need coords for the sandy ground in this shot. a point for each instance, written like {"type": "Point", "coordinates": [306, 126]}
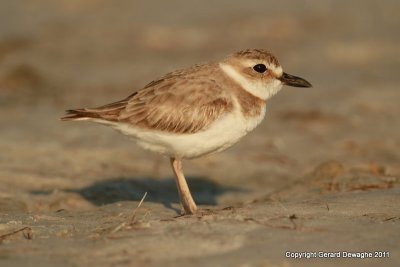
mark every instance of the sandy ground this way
{"type": "Point", "coordinates": [320, 174]}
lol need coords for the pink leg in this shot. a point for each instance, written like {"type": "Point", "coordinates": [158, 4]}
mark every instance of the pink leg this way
{"type": "Point", "coordinates": [187, 202]}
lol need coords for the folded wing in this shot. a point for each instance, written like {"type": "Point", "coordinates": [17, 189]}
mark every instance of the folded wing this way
{"type": "Point", "coordinates": [176, 103]}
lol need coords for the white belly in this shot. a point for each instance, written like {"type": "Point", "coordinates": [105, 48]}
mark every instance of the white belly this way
{"type": "Point", "coordinates": [222, 134]}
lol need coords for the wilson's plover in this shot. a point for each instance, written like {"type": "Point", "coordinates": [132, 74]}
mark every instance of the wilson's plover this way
{"type": "Point", "coordinates": [196, 111]}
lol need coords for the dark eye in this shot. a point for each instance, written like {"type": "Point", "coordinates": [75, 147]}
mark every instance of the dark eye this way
{"type": "Point", "coordinates": [260, 68]}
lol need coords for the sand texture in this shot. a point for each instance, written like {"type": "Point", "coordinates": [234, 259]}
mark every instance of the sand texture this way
{"type": "Point", "coordinates": [321, 173]}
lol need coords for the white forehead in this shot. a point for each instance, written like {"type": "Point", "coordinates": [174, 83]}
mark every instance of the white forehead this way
{"type": "Point", "coordinates": [277, 70]}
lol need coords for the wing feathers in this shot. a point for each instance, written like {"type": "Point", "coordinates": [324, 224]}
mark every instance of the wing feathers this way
{"type": "Point", "coordinates": [179, 102]}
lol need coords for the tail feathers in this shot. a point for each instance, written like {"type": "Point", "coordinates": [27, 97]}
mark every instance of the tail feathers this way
{"type": "Point", "coordinates": [80, 114]}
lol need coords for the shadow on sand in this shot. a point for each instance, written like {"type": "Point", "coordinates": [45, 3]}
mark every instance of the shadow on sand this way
{"type": "Point", "coordinates": [163, 190]}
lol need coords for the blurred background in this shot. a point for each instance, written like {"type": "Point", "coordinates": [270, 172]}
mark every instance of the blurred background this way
{"type": "Point", "coordinates": [56, 55]}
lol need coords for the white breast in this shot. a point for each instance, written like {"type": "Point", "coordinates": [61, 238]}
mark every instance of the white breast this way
{"type": "Point", "coordinates": [222, 134]}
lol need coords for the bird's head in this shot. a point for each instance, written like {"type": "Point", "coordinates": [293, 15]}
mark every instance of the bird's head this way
{"type": "Point", "coordinates": [259, 72]}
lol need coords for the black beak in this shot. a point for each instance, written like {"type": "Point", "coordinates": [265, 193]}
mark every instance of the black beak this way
{"type": "Point", "coordinates": [295, 81]}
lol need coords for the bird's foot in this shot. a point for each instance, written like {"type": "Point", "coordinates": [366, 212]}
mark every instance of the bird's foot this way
{"type": "Point", "coordinates": [197, 213]}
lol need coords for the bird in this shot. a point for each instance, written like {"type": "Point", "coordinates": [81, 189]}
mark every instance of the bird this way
{"type": "Point", "coordinates": [196, 111]}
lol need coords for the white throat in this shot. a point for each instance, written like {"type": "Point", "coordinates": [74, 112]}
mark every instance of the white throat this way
{"type": "Point", "coordinates": [257, 89]}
